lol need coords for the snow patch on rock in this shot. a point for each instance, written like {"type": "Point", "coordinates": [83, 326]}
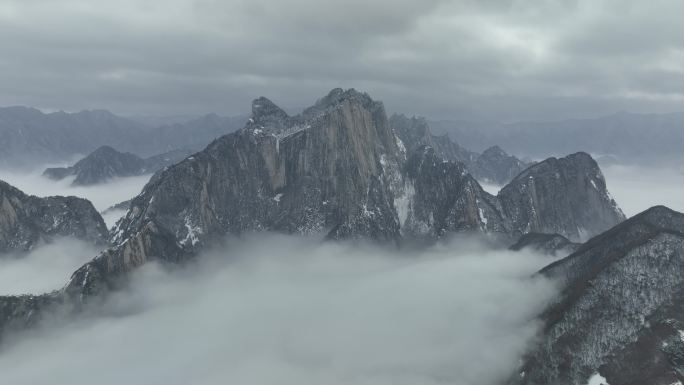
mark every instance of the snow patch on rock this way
{"type": "Point", "coordinates": [597, 379]}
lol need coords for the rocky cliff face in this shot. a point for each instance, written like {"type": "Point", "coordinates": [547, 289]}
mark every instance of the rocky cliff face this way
{"type": "Point", "coordinates": [415, 132]}
{"type": "Point", "coordinates": [621, 310]}
{"type": "Point", "coordinates": [441, 197]}
{"type": "Point", "coordinates": [492, 166]}
{"type": "Point", "coordinates": [26, 221]}
{"type": "Point", "coordinates": [21, 311]}
{"type": "Point", "coordinates": [330, 170]}
{"type": "Point", "coordinates": [566, 196]}
{"type": "Point", "coordinates": [337, 169]}
{"type": "Point", "coordinates": [106, 163]}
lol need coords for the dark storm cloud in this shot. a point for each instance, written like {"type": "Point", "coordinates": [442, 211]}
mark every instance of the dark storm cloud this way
{"type": "Point", "coordinates": [509, 59]}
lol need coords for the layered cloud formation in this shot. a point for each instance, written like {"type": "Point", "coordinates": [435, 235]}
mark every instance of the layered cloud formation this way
{"type": "Point", "coordinates": [498, 59]}
{"type": "Point", "coordinates": [274, 309]}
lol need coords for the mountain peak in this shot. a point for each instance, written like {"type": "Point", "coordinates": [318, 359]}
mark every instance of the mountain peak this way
{"type": "Point", "coordinates": [415, 131]}
{"type": "Point", "coordinates": [105, 150]}
{"type": "Point", "coordinates": [95, 114]}
{"type": "Point", "coordinates": [336, 97]}
{"type": "Point", "coordinates": [263, 106]}
{"type": "Point", "coordinates": [494, 150]}
{"type": "Point", "coordinates": [579, 203]}
{"type": "Point", "coordinates": [267, 115]}
{"type": "Point", "coordinates": [658, 211]}
{"type": "Point", "coordinates": [581, 156]}
{"type": "Point", "coordinates": [629, 276]}
{"type": "Point", "coordinates": [27, 221]}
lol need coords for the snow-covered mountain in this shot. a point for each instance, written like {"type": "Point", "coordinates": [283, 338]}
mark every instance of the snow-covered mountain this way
{"type": "Point", "coordinates": [620, 314]}
{"type": "Point", "coordinates": [337, 170]}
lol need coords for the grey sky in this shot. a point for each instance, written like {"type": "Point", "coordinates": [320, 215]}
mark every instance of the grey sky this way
{"type": "Point", "coordinates": [501, 59]}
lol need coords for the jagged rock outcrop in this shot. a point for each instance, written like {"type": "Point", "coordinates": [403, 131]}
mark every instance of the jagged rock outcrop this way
{"type": "Point", "coordinates": [26, 220]}
{"type": "Point", "coordinates": [336, 169]}
{"type": "Point", "coordinates": [18, 312]}
{"type": "Point", "coordinates": [415, 132]}
{"type": "Point", "coordinates": [331, 170]}
{"type": "Point", "coordinates": [106, 163]}
{"type": "Point", "coordinates": [566, 196]}
{"type": "Point", "coordinates": [550, 244]}
{"type": "Point", "coordinates": [621, 308]}
{"type": "Point", "coordinates": [119, 206]}
{"type": "Point", "coordinates": [158, 162]}
{"type": "Point", "coordinates": [442, 197]}
{"type": "Point", "coordinates": [493, 166]}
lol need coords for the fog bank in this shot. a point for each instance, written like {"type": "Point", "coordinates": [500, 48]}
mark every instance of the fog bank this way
{"type": "Point", "coordinates": [102, 195]}
{"type": "Point", "coordinates": [45, 268]}
{"type": "Point", "coordinates": [637, 188]}
{"type": "Point", "coordinates": [282, 310]}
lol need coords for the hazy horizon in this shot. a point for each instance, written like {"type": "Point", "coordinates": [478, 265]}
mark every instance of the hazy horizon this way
{"type": "Point", "coordinates": [505, 60]}
{"type": "Point", "coordinates": [165, 119]}
{"type": "Point", "coordinates": [160, 224]}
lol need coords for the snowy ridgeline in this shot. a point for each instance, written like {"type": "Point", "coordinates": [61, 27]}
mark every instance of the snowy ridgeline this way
{"type": "Point", "coordinates": [618, 293]}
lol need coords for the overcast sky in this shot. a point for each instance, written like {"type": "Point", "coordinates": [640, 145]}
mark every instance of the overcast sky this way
{"type": "Point", "coordinates": [498, 59]}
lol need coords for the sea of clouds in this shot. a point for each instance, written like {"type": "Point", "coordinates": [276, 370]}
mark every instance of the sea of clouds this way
{"type": "Point", "coordinates": [272, 309]}
{"type": "Point", "coordinates": [103, 195]}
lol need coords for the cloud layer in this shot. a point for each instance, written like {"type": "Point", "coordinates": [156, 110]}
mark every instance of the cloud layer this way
{"type": "Point", "coordinates": [637, 188]}
{"type": "Point", "coordinates": [278, 310]}
{"type": "Point", "coordinates": [45, 268]}
{"type": "Point", "coordinates": [508, 59]}
{"type": "Point", "coordinates": [102, 195]}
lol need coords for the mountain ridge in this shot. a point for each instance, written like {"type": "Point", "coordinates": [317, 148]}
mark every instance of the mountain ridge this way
{"type": "Point", "coordinates": [492, 166]}
{"type": "Point", "coordinates": [617, 289]}
{"type": "Point", "coordinates": [106, 163]}
{"type": "Point", "coordinates": [27, 221]}
{"type": "Point", "coordinates": [29, 137]}
{"type": "Point", "coordinates": [337, 171]}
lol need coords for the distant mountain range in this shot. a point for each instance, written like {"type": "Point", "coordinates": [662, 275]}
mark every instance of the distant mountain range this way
{"type": "Point", "coordinates": [338, 169]}
{"type": "Point", "coordinates": [29, 137]}
{"type": "Point", "coordinates": [628, 137]}
{"type": "Point", "coordinates": [106, 163]}
{"type": "Point", "coordinates": [492, 166]}
{"type": "Point", "coordinates": [343, 170]}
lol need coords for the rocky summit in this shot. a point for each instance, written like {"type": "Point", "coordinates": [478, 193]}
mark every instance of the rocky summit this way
{"type": "Point", "coordinates": [620, 311]}
{"type": "Point", "coordinates": [492, 166]}
{"type": "Point", "coordinates": [337, 170]}
{"type": "Point", "coordinates": [566, 196]}
{"type": "Point", "coordinates": [441, 197]}
{"type": "Point", "coordinates": [26, 221]}
{"type": "Point", "coordinates": [106, 163]}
